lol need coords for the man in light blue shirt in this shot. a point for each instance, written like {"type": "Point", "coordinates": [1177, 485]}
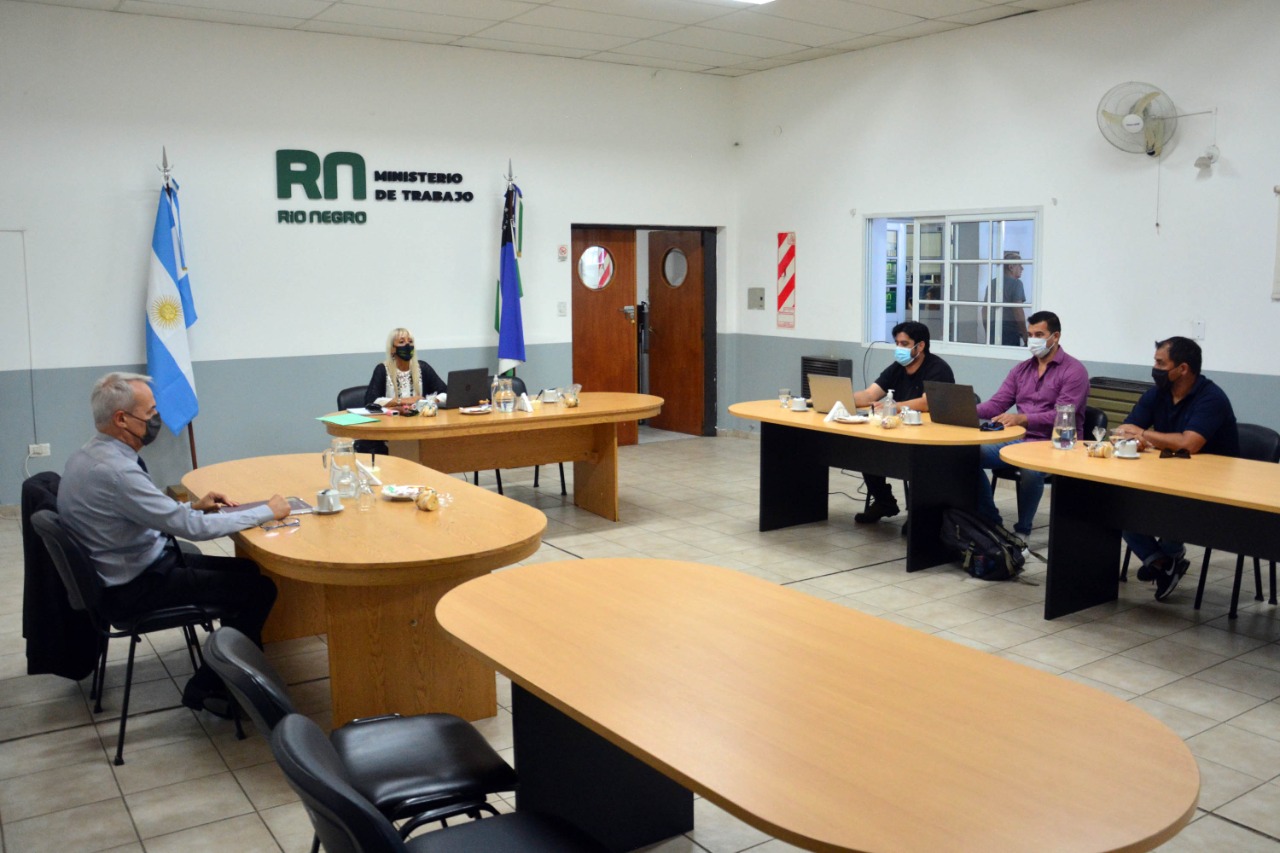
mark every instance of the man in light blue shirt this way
{"type": "Point", "coordinates": [108, 502]}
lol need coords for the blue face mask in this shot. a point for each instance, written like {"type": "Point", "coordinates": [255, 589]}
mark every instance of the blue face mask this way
{"type": "Point", "coordinates": [902, 355]}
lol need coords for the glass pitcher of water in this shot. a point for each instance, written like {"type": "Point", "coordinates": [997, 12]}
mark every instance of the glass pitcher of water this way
{"type": "Point", "coordinates": [503, 395]}
{"type": "Point", "coordinates": [340, 459]}
{"type": "Point", "coordinates": [1064, 427]}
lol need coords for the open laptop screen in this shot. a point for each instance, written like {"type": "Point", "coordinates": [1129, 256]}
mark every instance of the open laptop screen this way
{"type": "Point", "coordinates": [467, 387]}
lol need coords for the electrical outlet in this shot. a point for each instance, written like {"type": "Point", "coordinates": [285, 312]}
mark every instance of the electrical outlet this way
{"type": "Point", "coordinates": [34, 450]}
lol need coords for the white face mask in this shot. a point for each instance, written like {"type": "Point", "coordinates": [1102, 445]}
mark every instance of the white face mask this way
{"type": "Point", "coordinates": [1038, 346]}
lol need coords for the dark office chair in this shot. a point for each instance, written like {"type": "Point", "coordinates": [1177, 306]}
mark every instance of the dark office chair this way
{"type": "Point", "coordinates": [84, 589]}
{"type": "Point", "coordinates": [353, 398]}
{"type": "Point", "coordinates": [1261, 444]}
{"type": "Point", "coordinates": [518, 386]}
{"type": "Point", "coordinates": [346, 822]}
{"type": "Point", "coordinates": [1092, 418]}
{"type": "Point", "coordinates": [422, 768]}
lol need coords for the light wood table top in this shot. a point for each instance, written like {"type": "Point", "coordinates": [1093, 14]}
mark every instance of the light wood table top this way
{"type": "Point", "coordinates": [768, 411]}
{"type": "Point", "coordinates": [393, 543]}
{"type": "Point", "coordinates": [1206, 477]}
{"type": "Point", "coordinates": [594, 407]}
{"type": "Point", "coordinates": [823, 726]}
{"type": "Point", "coordinates": [371, 580]}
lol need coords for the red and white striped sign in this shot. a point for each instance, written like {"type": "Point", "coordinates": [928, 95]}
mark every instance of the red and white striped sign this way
{"type": "Point", "coordinates": [787, 280]}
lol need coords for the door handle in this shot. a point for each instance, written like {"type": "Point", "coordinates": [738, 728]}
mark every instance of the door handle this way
{"type": "Point", "coordinates": [630, 311]}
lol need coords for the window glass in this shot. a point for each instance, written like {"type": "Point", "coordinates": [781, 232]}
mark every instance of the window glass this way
{"type": "Point", "coordinates": [971, 278]}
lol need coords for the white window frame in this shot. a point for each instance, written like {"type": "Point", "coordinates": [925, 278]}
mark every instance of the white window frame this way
{"type": "Point", "coordinates": [873, 294]}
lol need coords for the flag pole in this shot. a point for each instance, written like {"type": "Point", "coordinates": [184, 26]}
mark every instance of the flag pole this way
{"type": "Point", "coordinates": [165, 171]}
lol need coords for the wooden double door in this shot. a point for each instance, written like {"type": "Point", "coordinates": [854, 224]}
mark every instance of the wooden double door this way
{"type": "Point", "coordinates": [611, 328]}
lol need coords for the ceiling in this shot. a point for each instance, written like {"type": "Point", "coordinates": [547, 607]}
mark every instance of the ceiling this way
{"type": "Point", "coordinates": [721, 37]}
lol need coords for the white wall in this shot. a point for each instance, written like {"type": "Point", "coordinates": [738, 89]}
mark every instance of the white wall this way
{"type": "Point", "coordinates": [89, 98]}
{"type": "Point", "coordinates": [993, 116]}
{"type": "Point", "coordinates": [1004, 115]}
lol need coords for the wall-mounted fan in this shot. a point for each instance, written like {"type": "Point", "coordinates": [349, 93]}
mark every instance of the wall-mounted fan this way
{"type": "Point", "coordinates": [1138, 118]}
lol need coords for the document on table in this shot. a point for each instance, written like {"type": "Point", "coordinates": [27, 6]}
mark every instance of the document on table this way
{"type": "Point", "coordinates": [347, 419]}
{"type": "Point", "coordinates": [297, 506]}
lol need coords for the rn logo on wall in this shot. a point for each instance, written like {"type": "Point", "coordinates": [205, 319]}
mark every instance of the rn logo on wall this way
{"type": "Point", "coordinates": [325, 179]}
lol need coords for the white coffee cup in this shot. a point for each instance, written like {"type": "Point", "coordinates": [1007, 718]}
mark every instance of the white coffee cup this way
{"type": "Point", "coordinates": [1127, 448]}
{"type": "Point", "coordinates": [911, 417]}
{"type": "Point", "coordinates": [327, 500]}
{"type": "Point", "coordinates": [799, 404]}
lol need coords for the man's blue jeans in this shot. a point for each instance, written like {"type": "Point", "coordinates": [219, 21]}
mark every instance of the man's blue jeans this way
{"type": "Point", "coordinates": [1030, 489]}
{"type": "Point", "coordinates": [1149, 548]}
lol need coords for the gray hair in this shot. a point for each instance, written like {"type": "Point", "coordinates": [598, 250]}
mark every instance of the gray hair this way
{"type": "Point", "coordinates": [113, 393]}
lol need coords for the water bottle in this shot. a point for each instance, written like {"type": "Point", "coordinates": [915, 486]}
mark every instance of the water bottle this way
{"type": "Point", "coordinates": [888, 408]}
{"type": "Point", "coordinates": [1064, 427]}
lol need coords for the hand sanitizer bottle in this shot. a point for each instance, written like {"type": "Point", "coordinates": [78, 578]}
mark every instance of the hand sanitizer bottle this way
{"type": "Point", "coordinates": [888, 408]}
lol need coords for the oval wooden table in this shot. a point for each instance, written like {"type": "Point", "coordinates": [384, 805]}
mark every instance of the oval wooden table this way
{"type": "Point", "coordinates": [586, 435]}
{"type": "Point", "coordinates": [1218, 501]}
{"type": "Point", "coordinates": [818, 724]}
{"type": "Point", "coordinates": [797, 451]}
{"type": "Point", "coordinates": [371, 580]}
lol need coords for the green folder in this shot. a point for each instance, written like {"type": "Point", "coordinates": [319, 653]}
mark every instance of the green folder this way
{"type": "Point", "coordinates": [346, 419]}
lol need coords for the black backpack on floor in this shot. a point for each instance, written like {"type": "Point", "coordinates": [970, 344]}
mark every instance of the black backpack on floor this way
{"type": "Point", "coordinates": [987, 551]}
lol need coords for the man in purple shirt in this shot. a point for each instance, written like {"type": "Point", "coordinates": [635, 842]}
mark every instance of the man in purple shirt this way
{"type": "Point", "coordinates": [1048, 379]}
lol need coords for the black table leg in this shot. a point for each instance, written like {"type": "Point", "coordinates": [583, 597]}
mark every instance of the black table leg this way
{"type": "Point", "coordinates": [569, 771]}
{"type": "Point", "coordinates": [939, 477]}
{"type": "Point", "coordinates": [793, 476]}
{"type": "Point", "coordinates": [1084, 550]}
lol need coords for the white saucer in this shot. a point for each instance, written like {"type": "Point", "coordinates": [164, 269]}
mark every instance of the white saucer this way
{"type": "Point", "coordinates": [476, 410]}
{"type": "Point", "coordinates": [852, 419]}
{"type": "Point", "coordinates": [330, 512]}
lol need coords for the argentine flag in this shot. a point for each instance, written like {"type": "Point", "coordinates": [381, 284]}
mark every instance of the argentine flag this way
{"type": "Point", "coordinates": [170, 311]}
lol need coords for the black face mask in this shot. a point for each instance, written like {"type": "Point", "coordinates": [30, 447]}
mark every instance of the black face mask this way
{"type": "Point", "coordinates": [405, 352]}
{"type": "Point", "coordinates": [152, 430]}
{"type": "Point", "coordinates": [1161, 378]}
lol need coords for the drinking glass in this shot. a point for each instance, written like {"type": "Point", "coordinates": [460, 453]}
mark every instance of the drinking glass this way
{"type": "Point", "coordinates": [784, 397]}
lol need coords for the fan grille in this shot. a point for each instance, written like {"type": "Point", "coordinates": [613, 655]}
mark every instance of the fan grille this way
{"type": "Point", "coordinates": [1159, 118]}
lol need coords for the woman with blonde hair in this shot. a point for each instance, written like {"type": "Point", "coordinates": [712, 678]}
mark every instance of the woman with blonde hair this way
{"type": "Point", "coordinates": [401, 379]}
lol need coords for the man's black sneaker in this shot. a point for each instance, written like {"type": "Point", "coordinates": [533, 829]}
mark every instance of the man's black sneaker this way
{"type": "Point", "coordinates": [877, 511]}
{"type": "Point", "coordinates": [1167, 581]}
{"type": "Point", "coordinates": [1147, 571]}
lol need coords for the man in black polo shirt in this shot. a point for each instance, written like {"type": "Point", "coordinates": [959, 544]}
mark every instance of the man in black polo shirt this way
{"type": "Point", "coordinates": [1183, 412]}
{"type": "Point", "coordinates": [912, 366]}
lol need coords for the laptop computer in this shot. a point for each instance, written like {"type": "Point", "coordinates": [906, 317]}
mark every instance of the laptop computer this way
{"type": "Point", "coordinates": [824, 391]}
{"type": "Point", "coordinates": [954, 405]}
{"type": "Point", "coordinates": [467, 387]}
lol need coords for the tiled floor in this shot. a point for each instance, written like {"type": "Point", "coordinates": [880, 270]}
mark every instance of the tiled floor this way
{"type": "Point", "coordinates": [189, 785]}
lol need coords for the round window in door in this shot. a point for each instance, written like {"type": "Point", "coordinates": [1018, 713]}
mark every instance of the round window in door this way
{"type": "Point", "coordinates": [595, 267]}
{"type": "Point", "coordinates": [675, 267]}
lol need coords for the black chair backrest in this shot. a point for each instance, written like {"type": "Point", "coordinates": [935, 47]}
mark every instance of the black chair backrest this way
{"type": "Point", "coordinates": [84, 590]}
{"type": "Point", "coordinates": [249, 676]}
{"type": "Point", "coordinates": [344, 821]}
{"type": "Point", "coordinates": [1093, 418]}
{"type": "Point", "coordinates": [1259, 443]}
{"type": "Point", "coordinates": [351, 398]}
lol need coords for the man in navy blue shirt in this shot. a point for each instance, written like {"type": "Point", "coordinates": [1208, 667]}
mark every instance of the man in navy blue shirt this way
{"type": "Point", "coordinates": [1183, 412]}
